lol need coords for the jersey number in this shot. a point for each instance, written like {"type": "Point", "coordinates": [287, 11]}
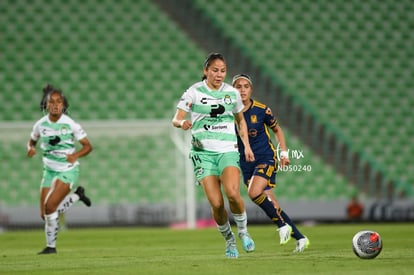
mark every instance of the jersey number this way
{"type": "Point", "coordinates": [196, 159]}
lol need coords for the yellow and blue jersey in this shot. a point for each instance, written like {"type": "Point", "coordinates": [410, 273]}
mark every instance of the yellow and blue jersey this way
{"type": "Point", "coordinates": [259, 118]}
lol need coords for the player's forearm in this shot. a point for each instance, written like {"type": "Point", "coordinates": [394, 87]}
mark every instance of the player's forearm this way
{"type": "Point", "coordinates": [31, 148]}
{"type": "Point", "coordinates": [242, 127]}
{"type": "Point", "coordinates": [31, 144]}
{"type": "Point", "coordinates": [280, 138]}
{"type": "Point", "coordinates": [178, 122]}
{"type": "Point", "coordinates": [84, 151]}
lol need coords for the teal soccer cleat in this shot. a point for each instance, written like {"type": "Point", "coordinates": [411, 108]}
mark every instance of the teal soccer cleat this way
{"type": "Point", "coordinates": [247, 242]}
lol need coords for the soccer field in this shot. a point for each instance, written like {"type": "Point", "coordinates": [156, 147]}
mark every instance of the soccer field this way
{"type": "Point", "coordinates": [201, 251]}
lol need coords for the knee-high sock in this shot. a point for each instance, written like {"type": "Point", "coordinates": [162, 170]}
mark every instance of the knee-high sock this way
{"type": "Point", "coordinates": [295, 231]}
{"type": "Point", "coordinates": [67, 202]}
{"type": "Point", "coordinates": [225, 231]}
{"type": "Point", "coordinates": [269, 209]}
{"type": "Point", "coordinates": [241, 221]}
{"type": "Point", "coordinates": [51, 228]}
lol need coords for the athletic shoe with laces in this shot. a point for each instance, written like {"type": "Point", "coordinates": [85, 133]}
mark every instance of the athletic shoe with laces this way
{"type": "Point", "coordinates": [301, 245]}
{"type": "Point", "coordinates": [48, 250]}
{"type": "Point", "coordinates": [80, 191]}
{"type": "Point", "coordinates": [231, 248]}
{"type": "Point", "coordinates": [285, 233]}
{"type": "Point", "coordinates": [247, 242]}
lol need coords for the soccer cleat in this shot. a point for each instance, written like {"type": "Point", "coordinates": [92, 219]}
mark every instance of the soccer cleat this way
{"type": "Point", "coordinates": [301, 245]}
{"type": "Point", "coordinates": [48, 250]}
{"type": "Point", "coordinates": [247, 242]}
{"type": "Point", "coordinates": [231, 249]}
{"type": "Point", "coordinates": [285, 233]}
{"type": "Point", "coordinates": [80, 191]}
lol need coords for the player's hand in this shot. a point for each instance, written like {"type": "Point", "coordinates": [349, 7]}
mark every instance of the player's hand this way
{"type": "Point", "coordinates": [249, 154]}
{"type": "Point", "coordinates": [186, 124]}
{"type": "Point", "coordinates": [284, 162]}
{"type": "Point", "coordinates": [71, 158]}
{"type": "Point", "coordinates": [31, 151]}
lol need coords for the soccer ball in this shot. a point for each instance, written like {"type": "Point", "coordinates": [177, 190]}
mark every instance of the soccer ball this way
{"type": "Point", "coordinates": [367, 244]}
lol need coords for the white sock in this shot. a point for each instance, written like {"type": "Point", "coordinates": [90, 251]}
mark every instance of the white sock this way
{"type": "Point", "coordinates": [225, 230]}
{"type": "Point", "coordinates": [241, 221]}
{"type": "Point", "coordinates": [51, 228]}
{"type": "Point", "coordinates": [67, 202]}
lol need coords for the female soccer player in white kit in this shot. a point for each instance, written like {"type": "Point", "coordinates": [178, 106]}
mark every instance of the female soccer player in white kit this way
{"type": "Point", "coordinates": [214, 107]}
{"type": "Point", "coordinates": [57, 134]}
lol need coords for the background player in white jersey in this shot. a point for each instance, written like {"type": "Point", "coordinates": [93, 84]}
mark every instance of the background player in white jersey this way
{"type": "Point", "coordinates": [57, 134]}
{"type": "Point", "coordinates": [214, 106]}
{"type": "Point", "coordinates": [260, 176]}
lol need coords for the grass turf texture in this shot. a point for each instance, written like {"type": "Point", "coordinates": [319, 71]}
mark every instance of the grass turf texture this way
{"type": "Point", "coordinates": [201, 251]}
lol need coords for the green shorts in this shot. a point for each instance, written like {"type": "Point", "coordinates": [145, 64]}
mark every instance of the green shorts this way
{"type": "Point", "coordinates": [69, 177]}
{"type": "Point", "coordinates": [212, 163]}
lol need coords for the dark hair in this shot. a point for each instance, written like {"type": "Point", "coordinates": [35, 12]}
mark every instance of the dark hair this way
{"type": "Point", "coordinates": [48, 90]}
{"type": "Point", "coordinates": [210, 58]}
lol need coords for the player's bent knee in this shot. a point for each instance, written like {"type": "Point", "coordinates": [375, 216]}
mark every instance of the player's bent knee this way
{"type": "Point", "coordinates": [50, 208]}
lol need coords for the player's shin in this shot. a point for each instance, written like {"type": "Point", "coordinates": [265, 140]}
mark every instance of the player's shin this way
{"type": "Point", "coordinates": [67, 202]}
{"type": "Point", "coordinates": [263, 202]}
{"type": "Point", "coordinates": [51, 228]}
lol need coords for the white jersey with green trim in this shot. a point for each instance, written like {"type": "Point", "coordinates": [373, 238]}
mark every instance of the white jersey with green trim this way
{"type": "Point", "coordinates": [212, 115]}
{"type": "Point", "coordinates": [57, 139]}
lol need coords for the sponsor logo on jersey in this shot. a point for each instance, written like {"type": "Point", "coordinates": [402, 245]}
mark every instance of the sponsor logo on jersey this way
{"type": "Point", "coordinates": [205, 100]}
{"type": "Point", "coordinates": [216, 127]}
{"type": "Point", "coordinates": [268, 111]}
{"type": "Point", "coordinates": [252, 132]}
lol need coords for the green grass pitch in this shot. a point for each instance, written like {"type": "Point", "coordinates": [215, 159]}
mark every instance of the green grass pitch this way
{"type": "Point", "coordinates": [201, 251]}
